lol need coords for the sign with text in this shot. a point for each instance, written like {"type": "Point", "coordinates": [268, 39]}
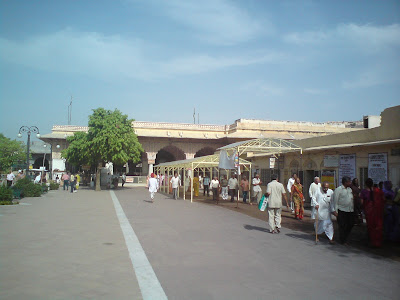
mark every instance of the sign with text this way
{"type": "Point", "coordinates": [347, 166]}
{"type": "Point", "coordinates": [377, 167]}
{"type": "Point", "coordinates": [331, 161]}
{"type": "Point", "coordinates": [329, 177]}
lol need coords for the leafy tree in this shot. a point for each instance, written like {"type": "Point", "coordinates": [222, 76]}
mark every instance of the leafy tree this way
{"type": "Point", "coordinates": [11, 152]}
{"type": "Point", "coordinates": [110, 139]}
{"type": "Point", "coordinates": [77, 151]}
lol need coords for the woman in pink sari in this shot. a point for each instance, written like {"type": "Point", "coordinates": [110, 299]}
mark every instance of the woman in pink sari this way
{"type": "Point", "coordinates": [373, 202]}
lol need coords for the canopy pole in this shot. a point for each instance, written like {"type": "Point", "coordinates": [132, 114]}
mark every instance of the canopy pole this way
{"type": "Point", "coordinates": [184, 184]}
{"type": "Point", "coordinates": [191, 185]}
{"type": "Point", "coordinates": [239, 174]}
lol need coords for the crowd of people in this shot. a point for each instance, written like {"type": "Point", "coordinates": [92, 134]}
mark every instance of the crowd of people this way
{"type": "Point", "coordinates": [377, 203]}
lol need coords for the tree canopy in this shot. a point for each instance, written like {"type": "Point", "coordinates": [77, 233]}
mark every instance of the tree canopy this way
{"type": "Point", "coordinates": [110, 138]}
{"type": "Point", "coordinates": [12, 152]}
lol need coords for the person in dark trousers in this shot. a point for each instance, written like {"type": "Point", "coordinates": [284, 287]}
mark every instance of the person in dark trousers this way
{"type": "Point", "coordinates": [206, 185]}
{"type": "Point", "coordinates": [344, 209]}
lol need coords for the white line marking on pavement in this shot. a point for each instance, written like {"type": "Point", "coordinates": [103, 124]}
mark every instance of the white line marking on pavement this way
{"type": "Point", "coordinates": [148, 282]}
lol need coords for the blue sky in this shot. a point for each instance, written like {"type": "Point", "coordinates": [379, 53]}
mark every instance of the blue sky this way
{"type": "Point", "coordinates": [156, 60]}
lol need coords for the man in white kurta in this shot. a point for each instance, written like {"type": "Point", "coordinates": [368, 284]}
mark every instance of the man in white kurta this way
{"type": "Point", "coordinates": [153, 186]}
{"type": "Point", "coordinates": [175, 183]}
{"type": "Point", "coordinates": [313, 189]}
{"type": "Point", "coordinates": [289, 188]}
{"type": "Point", "coordinates": [324, 208]}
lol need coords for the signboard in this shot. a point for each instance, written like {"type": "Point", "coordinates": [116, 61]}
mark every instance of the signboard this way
{"type": "Point", "coordinates": [331, 161]}
{"type": "Point", "coordinates": [329, 177]}
{"type": "Point", "coordinates": [347, 166]}
{"type": "Point", "coordinates": [129, 179]}
{"type": "Point", "coordinates": [272, 161]}
{"type": "Point", "coordinates": [377, 167]}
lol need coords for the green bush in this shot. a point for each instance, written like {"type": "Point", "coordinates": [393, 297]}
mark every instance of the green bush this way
{"type": "Point", "coordinates": [6, 194]}
{"type": "Point", "coordinates": [54, 186]}
{"type": "Point", "coordinates": [32, 190]}
{"type": "Point", "coordinates": [28, 188]}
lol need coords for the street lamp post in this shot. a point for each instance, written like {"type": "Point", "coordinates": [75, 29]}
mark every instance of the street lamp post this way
{"type": "Point", "coordinates": [51, 158]}
{"type": "Point", "coordinates": [28, 130]}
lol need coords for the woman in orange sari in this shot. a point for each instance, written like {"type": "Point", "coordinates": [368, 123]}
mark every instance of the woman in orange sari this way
{"type": "Point", "coordinates": [298, 199]}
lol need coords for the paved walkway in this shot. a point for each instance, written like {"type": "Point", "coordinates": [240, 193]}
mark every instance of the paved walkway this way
{"type": "Point", "coordinates": [71, 246]}
{"type": "Point", "coordinates": [64, 246]}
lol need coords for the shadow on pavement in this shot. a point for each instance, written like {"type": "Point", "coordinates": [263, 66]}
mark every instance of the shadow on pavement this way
{"type": "Point", "coordinates": [251, 227]}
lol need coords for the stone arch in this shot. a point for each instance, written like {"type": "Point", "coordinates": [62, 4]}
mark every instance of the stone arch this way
{"type": "Point", "coordinates": [169, 153]}
{"type": "Point", "coordinates": [205, 151]}
{"type": "Point", "coordinates": [39, 163]}
{"type": "Point", "coordinates": [310, 164]}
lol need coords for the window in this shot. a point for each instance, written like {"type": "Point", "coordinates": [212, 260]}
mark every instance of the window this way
{"type": "Point", "coordinates": [265, 175]}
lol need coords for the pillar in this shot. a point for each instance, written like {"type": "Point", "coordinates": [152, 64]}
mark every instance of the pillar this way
{"type": "Point", "coordinates": [151, 160]}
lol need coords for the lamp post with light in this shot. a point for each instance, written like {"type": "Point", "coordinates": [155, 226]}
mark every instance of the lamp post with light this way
{"type": "Point", "coordinates": [28, 130]}
{"type": "Point", "coordinates": [51, 157]}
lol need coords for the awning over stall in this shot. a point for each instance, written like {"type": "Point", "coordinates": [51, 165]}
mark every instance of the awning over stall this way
{"type": "Point", "coordinates": [201, 164]}
{"type": "Point", "coordinates": [261, 147]}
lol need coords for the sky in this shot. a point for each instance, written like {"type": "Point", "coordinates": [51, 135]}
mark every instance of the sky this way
{"type": "Point", "coordinates": [159, 60]}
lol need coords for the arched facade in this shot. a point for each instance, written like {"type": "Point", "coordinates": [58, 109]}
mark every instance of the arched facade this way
{"type": "Point", "coordinates": [205, 151]}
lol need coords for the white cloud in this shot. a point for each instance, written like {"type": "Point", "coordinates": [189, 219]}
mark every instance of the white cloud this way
{"type": "Point", "coordinates": [103, 56]}
{"type": "Point", "coordinates": [372, 78]}
{"type": "Point", "coordinates": [367, 38]}
{"type": "Point", "coordinates": [314, 91]}
{"type": "Point", "coordinates": [217, 22]}
{"type": "Point", "coordinates": [262, 88]}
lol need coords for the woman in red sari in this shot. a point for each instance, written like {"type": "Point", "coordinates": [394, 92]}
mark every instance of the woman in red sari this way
{"type": "Point", "coordinates": [298, 199]}
{"type": "Point", "coordinates": [373, 202]}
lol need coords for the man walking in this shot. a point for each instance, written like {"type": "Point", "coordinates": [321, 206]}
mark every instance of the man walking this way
{"type": "Point", "coordinates": [153, 186]}
{"type": "Point", "coordinates": [256, 188]}
{"type": "Point", "coordinates": [289, 188]}
{"type": "Point", "coordinates": [314, 187]}
{"type": "Point", "coordinates": [10, 178]}
{"type": "Point", "coordinates": [175, 183]}
{"type": "Point", "coordinates": [224, 188]}
{"type": "Point", "coordinates": [233, 185]}
{"type": "Point", "coordinates": [206, 185]}
{"type": "Point", "coordinates": [322, 201]}
{"type": "Point", "coordinates": [344, 209]}
{"type": "Point", "coordinates": [65, 178]}
{"type": "Point", "coordinates": [72, 180]}
{"type": "Point", "coordinates": [215, 188]}
{"type": "Point", "coordinates": [275, 192]}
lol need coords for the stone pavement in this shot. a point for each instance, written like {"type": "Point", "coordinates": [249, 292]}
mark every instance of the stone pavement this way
{"type": "Point", "coordinates": [64, 246]}
{"type": "Point", "coordinates": [70, 246]}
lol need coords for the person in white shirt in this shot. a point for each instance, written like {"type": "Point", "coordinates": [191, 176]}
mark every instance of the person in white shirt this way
{"type": "Point", "coordinates": [10, 178]}
{"type": "Point", "coordinates": [312, 190]}
{"type": "Point", "coordinates": [224, 188]}
{"type": "Point", "coordinates": [37, 179]}
{"type": "Point", "coordinates": [175, 183]}
{"type": "Point", "coordinates": [215, 189]}
{"type": "Point", "coordinates": [153, 186]}
{"type": "Point", "coordinates": [123, 179]}
{"type": "Point", "coordinates": [322, 201]}
{"type": "Point", "coordinates": [344, 209]}
{"type": "Point", "coordinates": [233, 185]}
{"type": "Point", "coordinates": [289, 188]}
{"type": "Point", "coordinates": [256, 183]}
{"type": "Point", "coordinates": [275, 192]}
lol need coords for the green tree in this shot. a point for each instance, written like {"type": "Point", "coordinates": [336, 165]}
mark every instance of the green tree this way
{"type": "Point", "coordinates": [110, 139]}
{"type": "Point", "coordinates": [77, 151]}
{"type": "Point", "coordinates": [12, 152]}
